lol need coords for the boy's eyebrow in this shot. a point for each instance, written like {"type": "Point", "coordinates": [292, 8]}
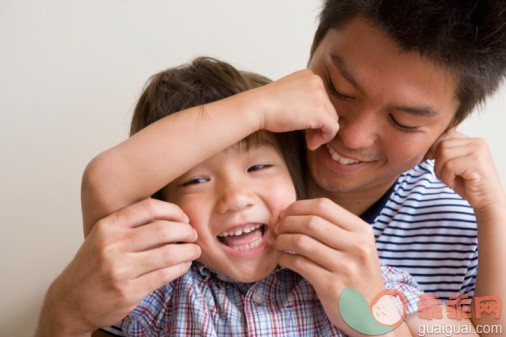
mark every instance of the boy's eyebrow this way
{"type": "Point", "coordinates": [340, 65]}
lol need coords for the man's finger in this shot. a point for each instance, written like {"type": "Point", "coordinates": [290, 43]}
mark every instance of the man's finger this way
{"type": "Point", "coordinates": [326, 209]}
{"type": "Point", "coordinates": [318, 228]}
{"type": "Point", "coordinates": [164, 256]}
{"type": "Point", "coordinates": [313, 250]}
{"type": "Point", "coordinates": [144, 212]}
{"type": "Point", "coordinates": [155, 279]}
{"type": "Point", "coordinates": [159, 233]}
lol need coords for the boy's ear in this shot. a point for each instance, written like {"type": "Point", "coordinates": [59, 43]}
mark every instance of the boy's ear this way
{"type": "Point", "coordinates": [431, 154]}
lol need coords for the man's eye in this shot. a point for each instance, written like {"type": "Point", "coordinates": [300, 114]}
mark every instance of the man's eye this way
{"type": "Point", "coordinates": [337, 93]}
{"type": "Point", "coordinates": [333, 90]}
{"type": "Point", "coordinates": [258, 167]}
{"type": "Point", "coordinates": [402, 127]}
{"type": "Point", "coordinates": [194, 181]}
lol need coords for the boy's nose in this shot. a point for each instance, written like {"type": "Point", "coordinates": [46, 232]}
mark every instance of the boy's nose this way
{"type": "Point", "coordinates": [235, 200]}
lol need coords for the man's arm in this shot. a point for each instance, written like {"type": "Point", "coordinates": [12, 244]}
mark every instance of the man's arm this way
{"type": "Point", "coordinates": [124, 258]}
{"type": "Point", "coordinates": [158, 154]}
{"type": "Point", "coordinates": [465, 165]}
{"type": "Point", "coordinates": [334, 249]}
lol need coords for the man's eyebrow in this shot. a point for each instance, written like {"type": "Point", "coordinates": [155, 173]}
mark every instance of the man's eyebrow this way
{"type": "Point", "coordinates": [345, 72]}
{"type": "Point", "coordinates": [426, 111]}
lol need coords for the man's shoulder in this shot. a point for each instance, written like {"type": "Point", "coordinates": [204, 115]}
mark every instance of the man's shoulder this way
{"type": "Point", "coordinates": [420, 175]}
{"type": "Point", "coordinates": [419, 196]}
{"type": "Point", "coordinates": [421, 185]}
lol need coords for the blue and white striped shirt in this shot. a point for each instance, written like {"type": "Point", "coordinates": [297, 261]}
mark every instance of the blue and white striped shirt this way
{"type": "Point", "coordinates": [425, 228]}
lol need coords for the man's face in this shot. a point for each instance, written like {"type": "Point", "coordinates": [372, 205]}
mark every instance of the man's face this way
{"type": "Point", "coordinates": [392, 106]}
{"type": "Point", "coordinates": [233, 200]}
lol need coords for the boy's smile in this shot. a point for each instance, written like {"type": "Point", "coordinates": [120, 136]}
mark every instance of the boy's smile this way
{"type": "Point", "coordinates": [243, 239]}
{"type": "Point", "coordinates": [233, 200]}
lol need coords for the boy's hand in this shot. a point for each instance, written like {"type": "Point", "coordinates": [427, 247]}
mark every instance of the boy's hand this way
{"type": "Point", "coordinates": [332, 249]}
{"type": "Point", "coordinates": [465, 165]}
{"type": "Point", "coordinates": [127, 255]}
{"type": "Point", "coordinates": [299, 101]}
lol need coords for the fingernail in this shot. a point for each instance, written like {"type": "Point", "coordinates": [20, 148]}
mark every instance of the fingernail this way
{"type": "Point", "coordinates": [282, 214]}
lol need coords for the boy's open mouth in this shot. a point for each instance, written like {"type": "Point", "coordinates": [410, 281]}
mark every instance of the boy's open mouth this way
{"type": "Point", "coordinates": [243, 237]}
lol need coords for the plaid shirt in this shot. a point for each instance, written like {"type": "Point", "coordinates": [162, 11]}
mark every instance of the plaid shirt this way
{"type": "Point", "coordinates": [203, 303]}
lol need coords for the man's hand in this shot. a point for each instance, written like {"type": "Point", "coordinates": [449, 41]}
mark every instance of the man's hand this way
{"type": "Point", "coordinates": [332, 249]}
{"type": "Point", "coordinates": [127, 255]}
{"type": "Point", "coordinates": [465, 165]}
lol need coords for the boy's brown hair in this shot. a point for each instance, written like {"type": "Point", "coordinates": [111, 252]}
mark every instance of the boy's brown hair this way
{"type": "Point", "coordinates": [203, 81]}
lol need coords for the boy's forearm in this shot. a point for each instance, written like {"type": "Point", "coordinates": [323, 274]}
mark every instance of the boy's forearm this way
{"type": "Point", "coordinates": [158, 154]}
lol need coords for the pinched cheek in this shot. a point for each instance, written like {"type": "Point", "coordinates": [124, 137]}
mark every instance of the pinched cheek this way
{"type": "Point", "coordinates": [282, 197]}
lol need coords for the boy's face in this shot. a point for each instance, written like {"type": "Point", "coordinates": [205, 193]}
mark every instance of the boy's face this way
{"type": "Point", "coordinates": [392, 106]}
{"type": "Point", "coordinates": [233, 200]}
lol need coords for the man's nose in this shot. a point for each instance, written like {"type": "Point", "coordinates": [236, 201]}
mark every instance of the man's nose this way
{"type": "Point", "coordinates": [358, 129]}
{"type": "Point", "coordinates": [235, 199]}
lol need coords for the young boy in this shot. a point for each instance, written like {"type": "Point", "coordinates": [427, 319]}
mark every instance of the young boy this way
{"type": "Point", "coordinates": [233, 200]}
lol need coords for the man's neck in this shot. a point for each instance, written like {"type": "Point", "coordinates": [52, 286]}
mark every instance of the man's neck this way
{"type": "Point", "coordinates": [357, 202]}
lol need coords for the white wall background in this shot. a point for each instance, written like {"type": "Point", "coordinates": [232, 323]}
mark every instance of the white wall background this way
{"type": "Point", "coordinates": [70, 74]}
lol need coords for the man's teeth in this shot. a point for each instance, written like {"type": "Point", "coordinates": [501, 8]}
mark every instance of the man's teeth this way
{"type": "Point", "coordinates": [254, 244]}
{"type": "Point", "coordinates": [239, 231]}
{"type": "Point", "coordinates": [339, 159]}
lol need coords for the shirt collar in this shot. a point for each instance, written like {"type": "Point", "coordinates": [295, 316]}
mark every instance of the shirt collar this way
{"type": "Point", "coordinates": [207, 273]}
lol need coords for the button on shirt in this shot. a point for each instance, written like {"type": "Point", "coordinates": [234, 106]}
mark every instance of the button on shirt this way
{"type": "Point", "coordinates": [203, 303]}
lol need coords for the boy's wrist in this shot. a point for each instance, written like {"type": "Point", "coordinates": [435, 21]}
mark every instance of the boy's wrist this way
{"type": "Point", "coordinates": [255, 107]}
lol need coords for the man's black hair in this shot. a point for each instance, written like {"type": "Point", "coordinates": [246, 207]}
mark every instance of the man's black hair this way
{"type": "Point", "coordinates": [466, 37]}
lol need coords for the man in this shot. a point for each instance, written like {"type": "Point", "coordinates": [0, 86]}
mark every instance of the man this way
{"type": "Point", "coordinates": [401, 82]}
{"type": "Point", "coordinates": [401, 76]}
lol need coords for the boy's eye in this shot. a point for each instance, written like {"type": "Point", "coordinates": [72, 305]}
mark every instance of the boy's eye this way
{"type": "Point", "coordinates": [258, 167]}
{"type": "Point", "coordinates": [195, 181]}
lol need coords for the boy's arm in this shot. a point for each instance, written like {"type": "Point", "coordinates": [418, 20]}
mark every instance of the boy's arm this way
{"type": "Point", "coordinates": [158, 154]}
{"type": "Point", "coordinates": [465, 165]}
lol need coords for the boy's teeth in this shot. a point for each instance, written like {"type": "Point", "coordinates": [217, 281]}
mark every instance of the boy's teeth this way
{"type": "Point", "coordinates": [339, 159]}
{"type": "Point", "coordinates": [239, 231]}
{"type": "Point", "coordinates": [254, 244]}
{"type": "Point", "coordinates": [244, 237]}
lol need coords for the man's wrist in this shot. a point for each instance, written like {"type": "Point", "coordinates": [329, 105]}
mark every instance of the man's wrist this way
{"type": "Point", "coordinates": [54, 320]}
{"type": "Point", "coordinates": [494, 213]}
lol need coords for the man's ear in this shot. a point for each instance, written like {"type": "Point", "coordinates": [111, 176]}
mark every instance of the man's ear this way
{"type": "Point", "coordinates": [431, 154]}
